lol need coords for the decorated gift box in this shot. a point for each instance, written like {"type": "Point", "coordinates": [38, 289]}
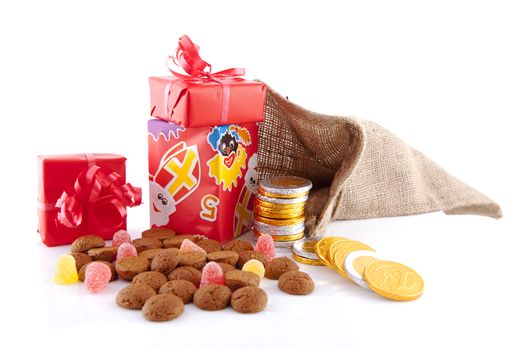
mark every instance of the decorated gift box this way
{"type": "Point", "coordinates": [203, 154]}
{"type": "Point", "coordinates": [81, 194]}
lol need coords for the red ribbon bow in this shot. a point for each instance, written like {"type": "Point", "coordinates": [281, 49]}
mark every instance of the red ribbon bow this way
{"type": "Point", "coordinates": [97, 187]}
{"type": "Point", "coordinates": [187, 57]}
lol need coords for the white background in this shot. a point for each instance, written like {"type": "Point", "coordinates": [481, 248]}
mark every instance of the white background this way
{"type": "Point", "coordinates": [446, 76]}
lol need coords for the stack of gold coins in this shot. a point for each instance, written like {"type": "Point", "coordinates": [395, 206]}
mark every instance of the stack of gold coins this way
{"type": "Point", "coordinates": [360, 263]}
{"type": "Point", "coordinates": [279, 209]}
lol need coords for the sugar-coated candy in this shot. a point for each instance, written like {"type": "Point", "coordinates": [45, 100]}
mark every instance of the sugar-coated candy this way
{"type": "Point", "coordinates": [254, 266]}
{"type": "Point", "coordinates": [98, 276]}
{"type": "Point", "coordinates": [120, 237]}
{"type": "Point", "coordinates": [212, 274]}
{"type": "Point", "coordinates": [189, 246]}
{"type": "Point", "coordinates": [126, 250]}
{"type": "Point", "coordinates": [265, 245]}
{"type": "Point", "coordinates": [66, 270]}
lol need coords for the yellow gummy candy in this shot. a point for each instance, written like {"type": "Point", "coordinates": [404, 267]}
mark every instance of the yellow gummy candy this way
{"type": "Point", "coordinates": [254, 266]}
{"type": "Point", "coordinates": [66, 270]}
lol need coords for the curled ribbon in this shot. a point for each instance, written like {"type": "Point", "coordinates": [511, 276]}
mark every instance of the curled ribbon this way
{"type": "Point", "coordinates": [187, 57]}
{"type": "Point", "coordinates": [93, 187]}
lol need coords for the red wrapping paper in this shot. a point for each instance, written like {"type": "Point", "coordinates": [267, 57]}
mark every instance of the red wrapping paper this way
{"type": "Point", "coordinates": [198, 185]}
{"type": "Point", "coordinates": [58, 173]}
{"type": "Point", "coordinates": [196, 103]}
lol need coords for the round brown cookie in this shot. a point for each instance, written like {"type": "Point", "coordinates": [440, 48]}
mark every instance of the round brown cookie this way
{"type": "Point", "coordinates": [248, 300]}
{"type": "Point", "coordinates": [104, 253]}
{"type": "Point", "coordinates": [181, 288]}
{"type": "Point", "coordinates": [134, 296]}
{"type": "Point", "coordinates": [236, 279]}
{"type": "Point", "coordinates": [212, 297]}
{"type": "Point", "coordinates": [85, 243]}
{"type": "Point", "coordinates": [209, 245]}
{"type": "Point", "coordinates": [278, 266]}
{"type": "Point", "coordinates": [159, 233]}
{"type": "Point", "coordinates": [249, 255]}
{"type": "Point", "coordinates": [153, 279]}
{"type": "Point", "coordinates": [142, 244]}
{"type": "Point", "coordinates": [165, 261]}
{"type": "Point", "coordinates": [193, 259]}
{"type": "Point", "coordinates": [238, 245]}
{"type": "Point", "coordinates": [163, 307]}
{"type": "Point", "coordinates": [175, 242]}
{"type": "Point", "coordinates": [187, 273]}
{"type": "Point", "coordinates": [129, 267]}
{"type": "Point", "coordinates": [226, 267]}
{"type": "Point", "coordinates": [150, 253]}
{"type": "Point", "coordinates": [296, 283]}
{"type": "Point", "coordinates": [82, 271]}
{"type": "Point", "coordinates": [81, 259]}
{"type": "Point", "coordinates": [224, 256]}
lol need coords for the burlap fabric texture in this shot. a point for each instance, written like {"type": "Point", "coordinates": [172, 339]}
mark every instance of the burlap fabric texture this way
{"type": "Point", "coordinates": [359, 169]}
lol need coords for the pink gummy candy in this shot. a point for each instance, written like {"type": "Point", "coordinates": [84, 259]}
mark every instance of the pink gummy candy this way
{"type": "Point", "coordinates": [212, 274]}
{"type": "Point", "coordinates": [265, 245]}
{"type": "Point", "coordinates": [189, 246]}
{"type": "Point", "coordinates": [120, 237]}
{"type": "Point", "coordinates": [97, 276]}
{"type": "Point", "coordinates": [125, 250]}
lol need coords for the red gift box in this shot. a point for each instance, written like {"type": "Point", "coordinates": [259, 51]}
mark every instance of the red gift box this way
{"type": "Point", "coordinates": [202, 180]}
{"type": "Point", "coordinates": [203, 98]}
{"type": "Point", "coordinates": [80, 194]}
{"type": "Point", "coordinates": [203, 155]}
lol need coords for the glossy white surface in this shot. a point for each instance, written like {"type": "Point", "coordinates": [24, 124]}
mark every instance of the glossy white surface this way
{"type": "Point", "coordinates": [473, 289]}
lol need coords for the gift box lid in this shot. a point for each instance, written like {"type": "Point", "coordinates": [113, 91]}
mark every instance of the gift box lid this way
{"type": "Point", "coordinates": [202, 98]}
{"type": "Point", "coordinates": [59, 171]}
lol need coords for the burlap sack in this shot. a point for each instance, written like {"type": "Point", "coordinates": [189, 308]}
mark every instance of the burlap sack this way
{"type": "Point", "coordinates": [359, 169]}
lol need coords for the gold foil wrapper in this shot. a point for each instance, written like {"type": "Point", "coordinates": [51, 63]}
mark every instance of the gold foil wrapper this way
{"type": "Point", "coordinates": [307, 261]}
{"type": "Point", "coordinates": [282, 195]}
{"type": "Point", "coordinates": [279, 222]}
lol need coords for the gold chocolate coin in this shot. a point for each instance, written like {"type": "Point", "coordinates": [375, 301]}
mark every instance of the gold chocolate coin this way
{"type": "Point", "coordinates": [278, 206]}
{"type": "Point", "coordinates": [322, 246]}
{"type": "Point", "coordinates": [393, 280]}
{"type": "Point", "coordinates": [278, 214]}
{"type": "Point", "coordinates": [307, 261]}
{"type": "Point", "coordinates": [281, 195]}
{"type": "Point", "coordinates": [346, 246]}
{"type": "Point", "coordinates": [309, 246]}
{"type": "Point", "coordinates": [279, 222]}
{"type": "Point", "coordinates": [343, 250]}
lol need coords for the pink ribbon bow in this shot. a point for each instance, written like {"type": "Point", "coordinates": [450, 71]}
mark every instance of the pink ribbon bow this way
{"type": "Point", "coordinates": [97, 187]}
{"type": "Point", "coordinates": [187, 57]}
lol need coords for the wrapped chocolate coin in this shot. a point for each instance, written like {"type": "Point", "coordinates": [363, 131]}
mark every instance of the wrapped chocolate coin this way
{"type": "Point", "coordinates": [305, 249]}
{"type": "Point", "coordinates": [355, 264]}
{"type": "Point", "coordinates": [281, 202]}
{"type": "Point", "coordinates": [393, 280]}
{"type": "Point", "coordinates": [279, 222]}
{"type": "Point", "coordinates": [278, 230]}
{"type": "Point", "coordinates": [340, 248]}
{"type": "Point", "coordinates": [285, 187]}
{"type": "Point", "coordinates": [322, 248]}
{"type": "Point", "coordinates": [302, 260]}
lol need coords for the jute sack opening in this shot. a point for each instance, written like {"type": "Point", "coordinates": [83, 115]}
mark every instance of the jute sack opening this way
{"type": "Point", "coordinates": [358, 168]}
